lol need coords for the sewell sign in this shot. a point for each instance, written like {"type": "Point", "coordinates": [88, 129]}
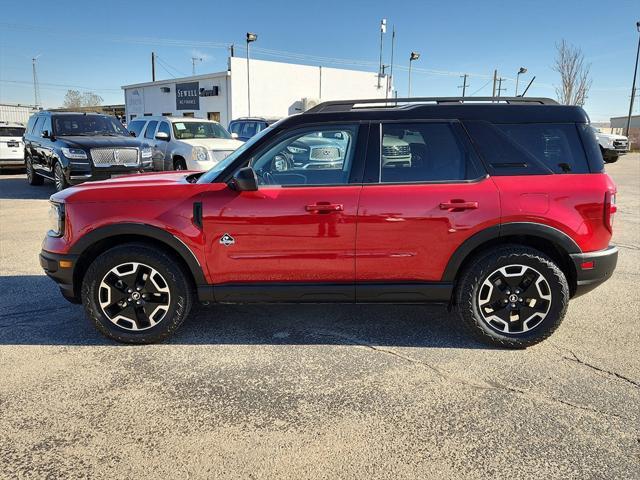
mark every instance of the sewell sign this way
{"type": "Point", "coordinates": [187, 96]}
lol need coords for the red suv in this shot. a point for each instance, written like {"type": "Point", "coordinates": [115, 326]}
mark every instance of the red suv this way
{"type": "Point", "coordinates": [501, 210]}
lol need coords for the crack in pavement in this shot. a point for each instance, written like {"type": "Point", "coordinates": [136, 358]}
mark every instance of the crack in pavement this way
{"type": "Point", "coordinates": [599, 369]}
{"type": "Point", "coordinates": [485, 385]}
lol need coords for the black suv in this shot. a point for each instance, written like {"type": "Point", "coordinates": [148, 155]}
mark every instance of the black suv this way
{"type": "Point", "coordinates": [71, 148]}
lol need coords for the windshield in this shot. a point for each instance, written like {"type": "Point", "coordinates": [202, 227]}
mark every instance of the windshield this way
{"type": "Point", "coordinates": [65, 125]}
{"type": "Point", "coordinates": [11, 131]}
{"type": "Point", "coordinates": [188, 130]}
{"type": "Point", "coordinates": [212, 174]}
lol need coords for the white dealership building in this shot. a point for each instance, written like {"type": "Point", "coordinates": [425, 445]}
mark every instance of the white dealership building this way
{"type": "Point", "coordinates": [277, 90]}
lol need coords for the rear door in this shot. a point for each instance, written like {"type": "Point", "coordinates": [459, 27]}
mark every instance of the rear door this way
{"type": "Point", "coordinates": [425, 193]}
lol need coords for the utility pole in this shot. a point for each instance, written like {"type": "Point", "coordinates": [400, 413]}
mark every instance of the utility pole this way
{"type": "Point", "coordinates": [383, 30]}
{"type": "Point", "coordinates": [393, 43]}
{"type": "Point", "coordinates": [500, 89]}
{"type": "Point", "coordinates": [153, 66]}
{"type": "Point", "coordinates": [495, 80]}
{"type": "Point", "coordinates": [633, 87]}
{"type": "Point", "coordinates": [36, 85]}
{"type": "Point", "coordinates": [193, 64]}
{"type": "Point", "coordinates": [464, 84]}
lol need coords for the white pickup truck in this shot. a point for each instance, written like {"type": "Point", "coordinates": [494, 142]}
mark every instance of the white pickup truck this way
{"type": "Point", "coordinates": [611, 145]}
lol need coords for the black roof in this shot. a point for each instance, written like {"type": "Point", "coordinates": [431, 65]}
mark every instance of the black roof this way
{"type": "Point", "coordinates": [54, 112]}
{"type": "Point", "coordinates": [495, 110]}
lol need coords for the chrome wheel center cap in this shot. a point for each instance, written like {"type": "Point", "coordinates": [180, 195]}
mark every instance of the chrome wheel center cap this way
{"type": "Point", "coordinates": [135, 296]}
{"type": "Point", "coordinates": [513, 298]}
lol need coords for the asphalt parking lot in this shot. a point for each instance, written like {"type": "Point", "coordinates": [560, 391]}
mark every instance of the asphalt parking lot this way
{"type": "Point", "coordinates": [314, 391]}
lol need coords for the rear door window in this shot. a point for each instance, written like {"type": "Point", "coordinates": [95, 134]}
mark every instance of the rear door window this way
{"type": "Point", "coordinates": [424, 152]}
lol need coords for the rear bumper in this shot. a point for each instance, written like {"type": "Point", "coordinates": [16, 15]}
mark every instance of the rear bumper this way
{"type": "Point", "coordinates": [594, 268]}
{"type": "Point", "coordinates": [12, 162]}
{"type": "Point", "coordinates": [50, 262]}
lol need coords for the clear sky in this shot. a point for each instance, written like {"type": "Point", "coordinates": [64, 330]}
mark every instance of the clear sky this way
{"type": "Point", "coordinates": [108, 44]}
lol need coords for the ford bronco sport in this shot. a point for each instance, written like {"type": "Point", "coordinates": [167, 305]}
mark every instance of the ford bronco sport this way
{"type": "Point", "coordinates": [501, 209]}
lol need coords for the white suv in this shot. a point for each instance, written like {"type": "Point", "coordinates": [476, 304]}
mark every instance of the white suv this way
{"type": "Point", "coordinates": [11, 145]}
{"type": "Point", "coordinates": [181, 143]}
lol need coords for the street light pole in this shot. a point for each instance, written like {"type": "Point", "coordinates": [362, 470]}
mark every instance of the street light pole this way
{"type": "Point", "coordinates": [521, 71]}
{"type": "Point", "coordinates": [633, 87]}
{"type": "Point", "coordinates": [251, 37]}
{"type": "Point", "coordinates": [412, 57]}
{"type": "Point", "coordinates": [383, 30]}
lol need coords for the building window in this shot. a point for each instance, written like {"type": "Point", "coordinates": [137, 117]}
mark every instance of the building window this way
{"type": "Point", "coordinates": [148, 114]}
{"type": "Point", "coordinates": [131, 117]}
{"type": "Point", "coordinates": [165, 114]}
{"type": "Point", "coordinates": [215, 116]}
{"type": "Point", "coordinates": [188, 114]}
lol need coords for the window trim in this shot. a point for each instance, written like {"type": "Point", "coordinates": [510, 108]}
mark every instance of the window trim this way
{"type": "Point", "coordinates": [374, 163]}
{"type": "Point", "coordinates": [356, 171]}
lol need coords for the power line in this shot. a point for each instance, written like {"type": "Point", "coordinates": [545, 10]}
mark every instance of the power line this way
{"type": "Point", "coordinates": [488, 82]}
{"type": "Point", "coordinates": [55, 86]}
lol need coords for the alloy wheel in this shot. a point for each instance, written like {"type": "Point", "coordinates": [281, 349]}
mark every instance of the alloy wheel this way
{"type": "Point", "coordinates": [29, 171]}
{"type": "Point", "coordinates": [514, 299]}
{"type": "Point", "coordinates": [58, 176]}
{"type": "Point", "coordinates": [134, 296]}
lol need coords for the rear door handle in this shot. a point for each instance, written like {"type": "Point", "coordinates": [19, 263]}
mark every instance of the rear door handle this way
{"type": "Point", "coordinates": [458, 205]}
{"type": "Point", "coordinates": [325, 207]}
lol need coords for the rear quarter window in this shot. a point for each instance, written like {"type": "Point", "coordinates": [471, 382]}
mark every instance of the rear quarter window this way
{"type": "Point", "coordinates": [529, 148]}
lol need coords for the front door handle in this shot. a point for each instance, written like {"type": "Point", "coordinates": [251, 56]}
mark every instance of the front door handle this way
{"type": "Point", "coordinates": [458, 205]}
{"type": "Point", "coordinates": [325, 207]}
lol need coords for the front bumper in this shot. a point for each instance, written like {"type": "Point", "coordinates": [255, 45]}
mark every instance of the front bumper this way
{"type": "Point", "coordinates": [594, 268]}
{"type": "Point", "coordinates": [63, 276]}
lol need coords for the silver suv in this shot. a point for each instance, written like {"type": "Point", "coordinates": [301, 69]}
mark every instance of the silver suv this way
{"type": "Point", "coordinates": [181, 143]}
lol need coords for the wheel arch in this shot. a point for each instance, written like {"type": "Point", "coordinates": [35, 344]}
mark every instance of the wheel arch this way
{"type": "Point", "coordinates": [98, 241]}
{"type": "Point", "coordinates": [549, 240]}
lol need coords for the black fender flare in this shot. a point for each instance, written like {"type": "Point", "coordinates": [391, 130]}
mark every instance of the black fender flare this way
{"type": "Point", "coordinates": [529, 229]}
{"type": "Point", "coordinates": [151, 232]}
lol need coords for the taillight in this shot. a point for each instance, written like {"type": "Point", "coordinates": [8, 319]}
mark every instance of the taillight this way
{"type": "Point", "coordinates": [609, 209]}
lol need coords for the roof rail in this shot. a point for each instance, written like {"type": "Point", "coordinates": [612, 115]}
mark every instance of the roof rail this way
{"type": "Point", "coordinates": [347, 105]}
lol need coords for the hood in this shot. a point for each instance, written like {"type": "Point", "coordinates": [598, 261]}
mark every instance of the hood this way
{"type": "Point", "coordinates": [214, 143]}
{"type": "Point", "coordinates": [130, 188]}
{"type": "Point", "coordinates": [611, 136]}
{"type": "Point", "coordinates": [103, 141]}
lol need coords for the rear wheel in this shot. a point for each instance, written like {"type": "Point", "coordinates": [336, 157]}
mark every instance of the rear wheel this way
{"type": "Point", "coordinates": [512, 296]}
{"type": "Point", "coordinates": [136, 294]}
{"type": "Point", "coordinates": [32, 177]}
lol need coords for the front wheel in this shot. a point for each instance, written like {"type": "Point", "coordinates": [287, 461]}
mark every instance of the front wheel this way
{"type": "Point", "coordinates": [59, 177]}
{"type": "Point", "coordinates": [136, 294]}
{"type": "Point", "coordinates": [512, 296]}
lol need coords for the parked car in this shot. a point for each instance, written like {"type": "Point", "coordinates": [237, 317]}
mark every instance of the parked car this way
{"type": "Point", "coordinates": [181, 143]}
{"type": "Point", "coordinates": [246, 127]}
{"type": "Point", "coordinates": [611, 145]}
{"type": "Point", "coordinates": [71, 148]}
{"type": "Point", "coordinates": [11, 145]}
{"type": "Point", "coordinates": [503, 213]}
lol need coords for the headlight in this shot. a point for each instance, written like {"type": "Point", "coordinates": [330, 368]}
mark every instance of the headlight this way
{"type": "Point", "coordinates": [296, 149]}
{"type": "Point", "coordinates": [146, 152]}
{"type": "Point", "coordinates": [199, 154]}
{"type": "Point", "coordinates": [74, 153]}
{"type": "Point", "coordinates": [56, 219]}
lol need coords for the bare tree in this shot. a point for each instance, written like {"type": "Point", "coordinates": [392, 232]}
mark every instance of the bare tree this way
{"type": "Point", "coordinates": [575, 74]}
{"type": "Point", "coordinates": [75, 99]}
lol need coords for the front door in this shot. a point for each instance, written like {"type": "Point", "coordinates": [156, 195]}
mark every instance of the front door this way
{"type": "Point", "coordinates": [294, 238]}
{"type": "Point", "coordinates": [425, 193]}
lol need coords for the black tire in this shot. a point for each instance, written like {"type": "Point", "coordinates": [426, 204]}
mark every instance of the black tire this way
{"type": "Point", "coordinates": [32, 177]}
{"type": "Point", "coordinates": [487, 324]}
{"type": "Point", "coordinates": [59, 178]}
{"type": "Point", "coordinates": [179, 164]}
{"type": "Point", "coordinates": [177, 302]}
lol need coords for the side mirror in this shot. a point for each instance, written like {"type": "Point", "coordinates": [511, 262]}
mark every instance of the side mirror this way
{"type": "Point", "coordinates": [45, 134]}
{"type": "Point", "coordinates": [234, 135]}
{"type": "Point", "coordinates": [162, 136]}
{"type": "Point", "coordinates": [245, 180]}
